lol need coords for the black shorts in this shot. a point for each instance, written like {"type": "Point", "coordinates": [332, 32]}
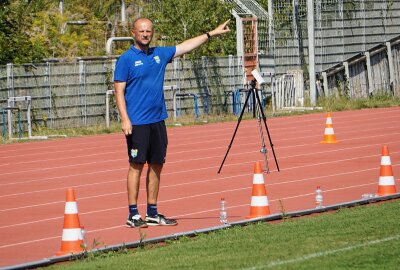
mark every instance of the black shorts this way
{"type": "Point", "coordinates": [148, 143]}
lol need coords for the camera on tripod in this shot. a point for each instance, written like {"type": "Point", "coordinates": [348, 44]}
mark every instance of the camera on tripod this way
{"type": "Point", "coordinates": [258, 77]}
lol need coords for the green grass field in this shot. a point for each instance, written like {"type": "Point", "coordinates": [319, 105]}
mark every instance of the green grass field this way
{"type": "Point", "coordinates": [363, 237]}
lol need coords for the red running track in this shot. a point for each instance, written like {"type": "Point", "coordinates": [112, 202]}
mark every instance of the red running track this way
{"type": "Point", "coordinates": [34, 177]}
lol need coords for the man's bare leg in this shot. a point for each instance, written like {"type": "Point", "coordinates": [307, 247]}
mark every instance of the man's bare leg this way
{"type": "Point", "coordinates": [133, 183]}
{"type": "Point", "coordinates": [153, 186]}
{"type": "Point", "coordinates": [153, 182]}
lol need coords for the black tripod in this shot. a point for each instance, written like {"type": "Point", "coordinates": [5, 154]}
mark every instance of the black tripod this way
{"type": "Point", "coordinates": [256, 101]}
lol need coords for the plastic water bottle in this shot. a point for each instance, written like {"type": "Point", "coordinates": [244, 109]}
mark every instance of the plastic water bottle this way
{"type": "Point", "coordinates": [318, 198]}
{"type": "Point", "coordinates": [223, 216]}
{"type": "Point", "coordinates": [368, 196]}
{"type": "Point", "coordinates": [83, 235]}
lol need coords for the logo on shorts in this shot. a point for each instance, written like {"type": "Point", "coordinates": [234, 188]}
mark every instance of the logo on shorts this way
{"type": "Point", "coordinates": [134, 153]}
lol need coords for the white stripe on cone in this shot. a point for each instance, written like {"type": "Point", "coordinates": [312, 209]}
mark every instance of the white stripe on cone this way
{"type": "Point", "coordinates": [329, 131]}
{"type": "Point", "coordinates": [71, 208]}
{"type": "Point", "coordinates": [258, 178]}
{"type": "Point", "coordinates": [72, 234]}
{"type": "Point", "coordinates": [259, 201]}
{"type": "Point", "coordinates": [386, 181]}
{"type": "Point", "coordinates": [329, 121]}
{"type": "Point", "coordinates": [385, 160]}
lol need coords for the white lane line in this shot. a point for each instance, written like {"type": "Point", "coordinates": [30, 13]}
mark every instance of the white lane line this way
{"type": "Point", "coordinates": [63, 177]}
{"type": "Point", "coordinates": [177, 199]}
{"type": "Point", "coordinates": [277, 126]}
{"type": "Point", "coordinates": [203, 181]}
{"type": "Point", "coordinates": [122, 159]}
{"type": "Point", "coordinates": [119, 208]}
{"type": "Point", "coordinates": [177, 161]}
{"type": "Point", "coordinates": [277, 123]}
{"type": "Point", "coordinates": [62, 188]}
{"type": "Point", "coordinates": [64, 166]}
{"type": "Point", "coordinates": [30, 242]}
{"type": "Point", "coordinates": [203, 142]}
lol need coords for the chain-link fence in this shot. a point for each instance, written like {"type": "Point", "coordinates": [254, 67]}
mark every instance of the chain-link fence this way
{"type": "Point", "coordinates": [351, 43]}
{"type": "Point", "coordinates": [343, 29]}
{"type": "Point", "coordinates": [67, 95]}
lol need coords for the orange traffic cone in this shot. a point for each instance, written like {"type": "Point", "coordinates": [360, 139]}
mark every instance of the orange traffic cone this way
{"type": "Point", "coordinates": [329, 135]}
{"type": "Point", "coordinates": [259, 200]}
{"type": "Point", "coordinates": [386, 179]}
{"type": "Point", "coordinates": [72, 238]}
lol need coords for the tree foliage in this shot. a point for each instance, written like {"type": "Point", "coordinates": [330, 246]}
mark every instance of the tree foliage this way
{"type": "Point", "coordinates": [31, 31]}
{"type": "Point", "coordinates": [177, 21]}
{"type": "Point", "coordinates": [15, 44]}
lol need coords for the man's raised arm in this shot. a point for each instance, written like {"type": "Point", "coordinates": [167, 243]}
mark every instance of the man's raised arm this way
{"type": "Point", "coordinates": [191, 44]}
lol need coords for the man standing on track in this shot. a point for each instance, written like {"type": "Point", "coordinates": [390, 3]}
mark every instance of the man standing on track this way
{"type": "Point", "coordinates": [138, 83]}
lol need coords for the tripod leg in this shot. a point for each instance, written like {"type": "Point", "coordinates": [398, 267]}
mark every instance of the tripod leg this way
{"type": "Point", "coordinates": [234, 134]}
{"type": "Point", "coordinates": [254, 103]}
{"type": "Point", "coordinates": [263, 147]}
{"type": "Point", "coordinates": [266, 128]}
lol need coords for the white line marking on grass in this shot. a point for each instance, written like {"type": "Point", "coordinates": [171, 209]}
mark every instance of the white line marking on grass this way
{"type": "Point", "coordinates": [324, 253]}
